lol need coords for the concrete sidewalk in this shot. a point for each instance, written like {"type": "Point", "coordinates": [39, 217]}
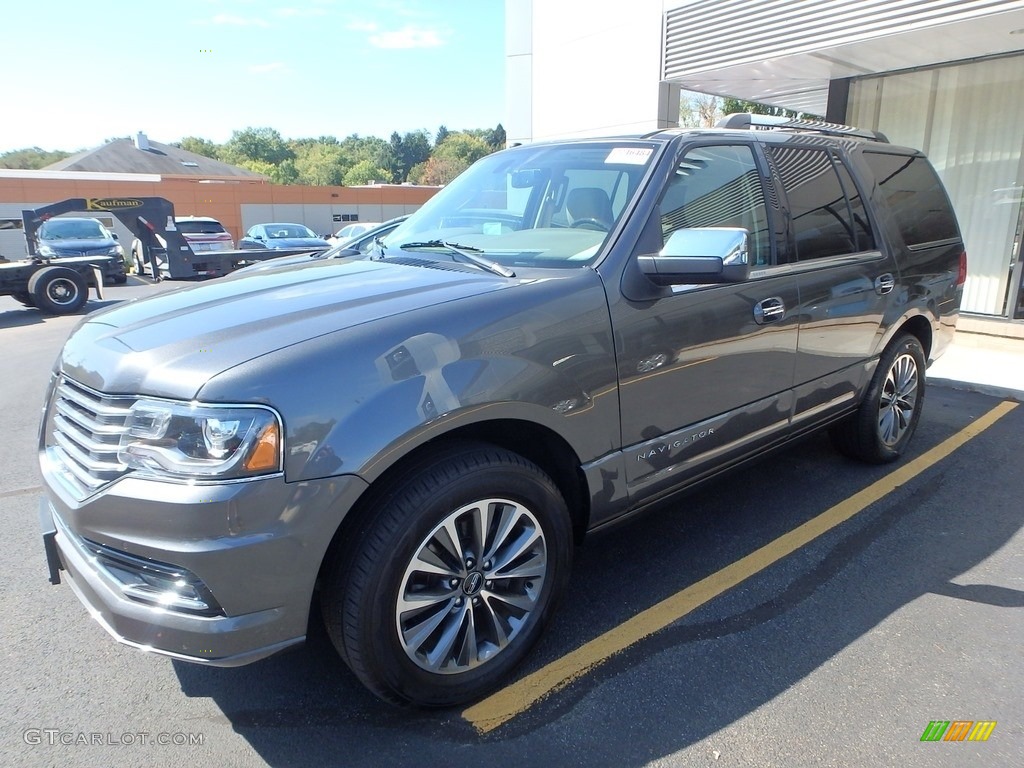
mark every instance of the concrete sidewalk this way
{"type": "Point", "coordinates": [980, 362]}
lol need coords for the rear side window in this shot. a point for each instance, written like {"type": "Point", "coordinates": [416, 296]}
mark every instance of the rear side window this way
{"type": "Point", "coordinates": [915, 196]}
{"type": "Point", "coordinates": [828, 214]}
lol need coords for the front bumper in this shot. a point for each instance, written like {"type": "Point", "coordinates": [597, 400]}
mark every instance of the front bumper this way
{"type": "Point", "coordinates": [256, 548]}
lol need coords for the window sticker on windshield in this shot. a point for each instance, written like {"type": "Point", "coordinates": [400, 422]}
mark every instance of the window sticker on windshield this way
{"type": "Point", "coordinates": [629, 155]}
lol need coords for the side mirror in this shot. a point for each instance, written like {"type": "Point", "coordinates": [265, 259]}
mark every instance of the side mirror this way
{"type": "Point", "coordinates": [700, 256]}
{"type": "Point", "coordinates": [114, 235]}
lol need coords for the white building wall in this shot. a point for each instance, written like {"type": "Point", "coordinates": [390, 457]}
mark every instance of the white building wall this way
{"type": "Point", "coordinates": [585, 68]}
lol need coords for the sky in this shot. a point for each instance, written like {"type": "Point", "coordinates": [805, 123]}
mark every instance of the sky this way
{"type": "Point", "coordinates": [79, 73]}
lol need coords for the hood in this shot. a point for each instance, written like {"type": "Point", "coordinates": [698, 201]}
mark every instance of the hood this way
{"type": "Point", "coordinates": [86, 245]}
{"type": "Point", "coordinates": [297, 242]}
{"type": "Point", "coordinates": [171, 345]}
{"type": "Point", "coordinates": [281, 261]}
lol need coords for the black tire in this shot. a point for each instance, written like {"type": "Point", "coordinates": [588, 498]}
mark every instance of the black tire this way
{"type": "Point", "coordinates": [883, 425]}
{"type": "Point", "coordinates": [470, 601]}
{"type": "Point", "coordinates": [58, 290]}
{"type": "Point", "coordinates": [23, 297]}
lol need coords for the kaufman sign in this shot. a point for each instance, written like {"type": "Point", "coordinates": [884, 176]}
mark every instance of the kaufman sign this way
{"type": "Point", "coordinates": [111, 203]}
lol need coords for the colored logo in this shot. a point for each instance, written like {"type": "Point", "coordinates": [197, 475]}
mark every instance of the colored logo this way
{"type": "Point", "coordinates": [110, 203]}
{"type": "Point", "coordinates": [958, 730]}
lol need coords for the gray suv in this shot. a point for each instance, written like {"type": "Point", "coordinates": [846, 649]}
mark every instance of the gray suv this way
{"type": "Point", "coordinates": [564, 335]}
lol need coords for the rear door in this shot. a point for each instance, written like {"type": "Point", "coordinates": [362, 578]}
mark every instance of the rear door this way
{"type": "Point", "coordinates": [846, 281]}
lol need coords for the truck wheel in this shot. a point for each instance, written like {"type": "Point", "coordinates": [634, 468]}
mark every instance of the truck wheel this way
{"type": "Point", "coordinates": [451, 580]}
{"type": "Point", "coordinates": [885, 421]}
{"type": "Point", "coordinates": [24, 297]}
{"type": "Point", "coordinates": [58, 290]}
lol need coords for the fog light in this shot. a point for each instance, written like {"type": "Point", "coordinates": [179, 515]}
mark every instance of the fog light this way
{"type": "Point", "coordinates": [155, 583]}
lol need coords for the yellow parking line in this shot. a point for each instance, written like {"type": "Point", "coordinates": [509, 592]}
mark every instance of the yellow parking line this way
{"type": "Point", "coordinates": [502, 706]}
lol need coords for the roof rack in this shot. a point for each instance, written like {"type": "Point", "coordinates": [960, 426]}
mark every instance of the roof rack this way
{"type": "Point", "coordinates": [745, 120]}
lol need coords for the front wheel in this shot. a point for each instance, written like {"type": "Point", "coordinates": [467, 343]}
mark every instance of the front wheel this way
{"type": "Point", "coordinates": [882, 426]}
{"type": "Point", "coordinates": [452, 578]}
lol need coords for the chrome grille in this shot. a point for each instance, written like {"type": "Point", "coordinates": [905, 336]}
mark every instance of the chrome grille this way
{"type": "Point", "coordinates": [85, 431]}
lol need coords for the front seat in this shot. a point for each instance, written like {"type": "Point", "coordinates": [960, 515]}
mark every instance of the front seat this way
{"type": "Point", "coordinates": [589, 208]}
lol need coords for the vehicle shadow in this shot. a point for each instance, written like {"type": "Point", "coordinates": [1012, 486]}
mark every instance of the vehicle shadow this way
{"type": "Point", "coordinates": [18, 316]}
{"type": "Point", "coordinates": [706, 671]}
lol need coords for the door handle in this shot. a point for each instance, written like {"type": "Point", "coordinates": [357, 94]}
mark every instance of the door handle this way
{"type": "Point", "coordinates": [769, 310]}
{"type": "Point", "coordinates": [884, 284]}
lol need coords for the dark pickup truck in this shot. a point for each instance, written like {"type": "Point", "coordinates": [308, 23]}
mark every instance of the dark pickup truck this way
{"type": "Point", "coordinates": [564, 335]}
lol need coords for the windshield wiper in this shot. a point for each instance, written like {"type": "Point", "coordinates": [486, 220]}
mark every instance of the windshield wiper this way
{"type": "Point", "coordinates": [468, 252]}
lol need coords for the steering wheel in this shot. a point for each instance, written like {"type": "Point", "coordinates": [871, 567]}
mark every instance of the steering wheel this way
{"type": "Point", "coordinates": [588, 223]}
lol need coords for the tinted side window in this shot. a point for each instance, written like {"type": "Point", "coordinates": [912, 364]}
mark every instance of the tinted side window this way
{"type": "Point", "coordinates": [823, 222]}
{"type": "Point", "coordinates": [718, 186]}
{"type": "Point", "coordinates": [858, 211]}
{"type": "Point", "coordinates": [916, 197]}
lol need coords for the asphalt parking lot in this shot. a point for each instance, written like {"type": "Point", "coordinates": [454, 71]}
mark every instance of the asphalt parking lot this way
{"type": "Point", "coordinates": [806, 611]}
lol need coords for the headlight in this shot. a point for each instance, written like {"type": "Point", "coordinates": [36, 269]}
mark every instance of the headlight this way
{"type": "Point", "coordinates": [204, 442]}
{"type": "Point", "coordinates": [116, 250]}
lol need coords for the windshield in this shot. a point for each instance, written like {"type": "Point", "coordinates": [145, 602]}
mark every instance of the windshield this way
{"type": "Point", "coordinates": [72, 229]}
{"type": "Point", "coordinates": [288, 230]}
{"type": "Point", "coordinates": [546, 206]}
{"type": "Point", "coordinates": [200, 227]}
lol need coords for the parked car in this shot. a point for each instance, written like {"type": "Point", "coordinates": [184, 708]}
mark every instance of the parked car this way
{"type": "Point", "coordinates": [202, 234]}
{"type": "Point", "coordinates": [564, 335]}
{"type": "Point", "coordinates": [354, 247]}
{"type": "Point", "coordinates": [350, 231]}
{"type": "Point", "coordinates": [63, 237]}
{"type": "Point", "coordinates": [282, 236]}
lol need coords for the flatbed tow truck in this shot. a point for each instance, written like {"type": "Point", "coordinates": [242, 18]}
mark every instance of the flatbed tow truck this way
{"type": "Point", "coordinates": [60, 286]}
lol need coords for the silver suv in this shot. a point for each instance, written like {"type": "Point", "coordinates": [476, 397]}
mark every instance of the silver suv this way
{"type": "Point", "coordinates": [564, 335]}
{"type": "Point", "coordinates": [202, 234]}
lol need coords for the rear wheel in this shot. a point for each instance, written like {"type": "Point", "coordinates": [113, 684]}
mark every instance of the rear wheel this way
{"type": "Point", "coordinates": [885, 421]}
{"type": "Point", "coordinates": [453, 577]}
{"type": "Point", "coordinates": [58, 290]}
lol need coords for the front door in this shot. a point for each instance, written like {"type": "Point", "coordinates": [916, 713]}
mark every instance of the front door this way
{"type": "Point", "coordinates": [707, 371]}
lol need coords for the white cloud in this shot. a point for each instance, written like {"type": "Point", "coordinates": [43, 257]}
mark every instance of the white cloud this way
{"type": "Point", "coordinates": [408, 37]}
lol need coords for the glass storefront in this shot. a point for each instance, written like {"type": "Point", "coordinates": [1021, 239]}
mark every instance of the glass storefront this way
{"type": "Point", "coordinates": [969, 120]}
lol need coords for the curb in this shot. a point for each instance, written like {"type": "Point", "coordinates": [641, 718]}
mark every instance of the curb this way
{"type": "Point", "coordinates": [993, 390]}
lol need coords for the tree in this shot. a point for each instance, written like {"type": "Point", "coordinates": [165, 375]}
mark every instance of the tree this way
{"type": "Point", "coordinates": [372, 148]}
{"type": "Point", "coordinates": [730, 106]}
{"type": "Point", "coordinates": [264, 144]}
{"type": "Point", "coordinates": [364, 172]}
{"type": "Point", "coordinates": [442, 134]}
{"type": "Point", "coordinates": [199, 146]}
{"type": "Point", "coordinates": [397, 151]}
{"type": "Point", "coordinates": [415, 149]}
{"type": "Point", "coordinates": [699, 110]}
{"type": "Point", "coordinates": [440, 170]}
{"type": "Point", "coordinates": [320, 164]}
{"type": "Point", "coordinates": [498, 137]}
{"type": "Point", "coordinates": [31, 158]}
{"type": "Point", "coordinates": [462, 146]}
